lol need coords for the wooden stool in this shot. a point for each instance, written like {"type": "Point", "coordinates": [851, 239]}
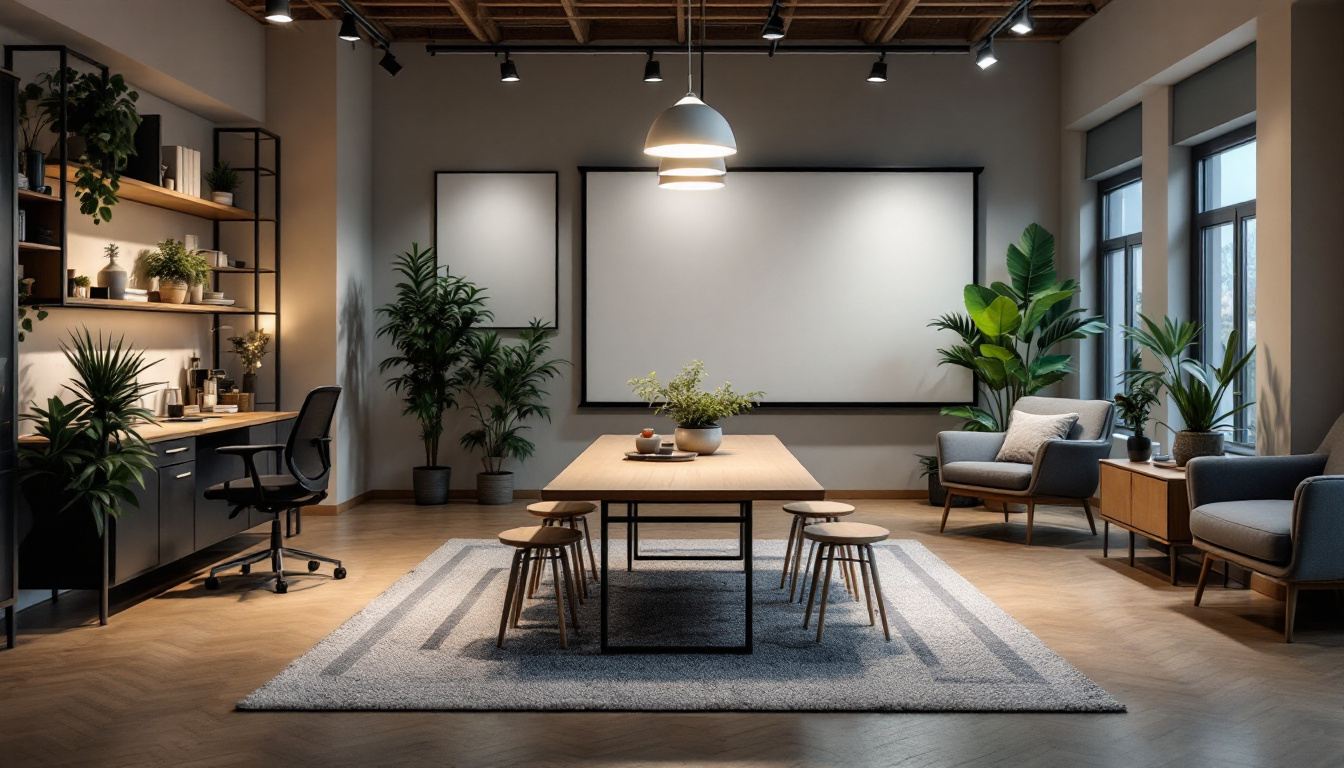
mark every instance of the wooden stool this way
{"type": "Point", "coordinates": [861, 536]}
{"type": "Point", "coordinates": [537, 544]}
{"type": "Point", "coordinates": [806, 513]}
{"type": "Point", "coordinates": [570, 512]}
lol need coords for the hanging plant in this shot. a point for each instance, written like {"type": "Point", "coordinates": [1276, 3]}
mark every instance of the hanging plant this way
{"type": "Point", "coordinates": [103, 114]}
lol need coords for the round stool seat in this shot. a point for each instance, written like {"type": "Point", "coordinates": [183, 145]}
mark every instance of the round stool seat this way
{"type": "Point", "coordinates": [819, 508]}
{"type": "Point", "coordinates": [535, 536]}
{"type": "Point", "coordinates": [560, 509]}
{"type": "Point", "coordinates": [846, 533]}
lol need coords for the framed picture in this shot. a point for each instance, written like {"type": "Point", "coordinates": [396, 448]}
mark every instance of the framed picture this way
{"type": "Point", "coordinates": [501, 231]}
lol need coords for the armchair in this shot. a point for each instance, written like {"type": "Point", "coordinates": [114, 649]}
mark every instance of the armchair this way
{"type": "Point", "coordinates": [1065, 471]}
{"type": "Point", "coordinates": [1279, 516]}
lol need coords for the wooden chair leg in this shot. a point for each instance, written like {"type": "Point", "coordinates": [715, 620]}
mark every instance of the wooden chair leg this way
{"type": "Point", "coordinates": [1105, 539]}
{"type": "Point", "coordinates": [565, 566]}
{"type": "Point", "coordinates": [509, 597]}
{"type": "Point", "coordinates": [866, 567]}
{"type": "Point", "coordinates": [1289, 612]}
{"type": "Point", "coordinates": [1031, 518]}
{"type": "Point", "coordinates": [788, 550]}
{"type": "Point", "coordinates": [811, 550]}
{"type": "Point", "coordinates": [520, 596]}
{"type": "Point", "coordinates": [825, 590]}
{"type": "Point", "coordinates": [947, 507]}
{"type": "Point", "coordinates": [1087, 507]}
{"type": "Point", "coordinates": [877, 585]}
{"type": "Point", "coordinates": [798, 562]}
{"type": "Point", "coordinates": [816, 579]}
{"type": "Point", "coordinates": [853, 571]}
{"type": "Point", "coordinates": [1203, 578]}
{"type": "Point", "coordinates": [550, 554]}
{"type": "Point", "coordinates": [592, 558]}
{"type": "Point", "coordinates": [1005, 511]}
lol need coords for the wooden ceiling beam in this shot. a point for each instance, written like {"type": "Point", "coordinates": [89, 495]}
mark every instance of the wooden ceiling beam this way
{"type": "Point", "coordinates": [582, 28]}
{"type": "Point", "coordinates": [321, 9]}
{"type": "Point", "coordinates": [895, 13]}
{"type": "Point", "coordinates": [246, 8]}
{"type": "Point", "coordinates": [477, 20]}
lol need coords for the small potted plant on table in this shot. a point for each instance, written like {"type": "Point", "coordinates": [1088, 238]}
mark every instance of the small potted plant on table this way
{"type": "Point", "coordinates": [696, 412]}
{"type": "Point", "coordinates": [250, 349]}
{"type": "Point", "coordinates": [177, 269]}
{"type": "Point", "coordinates": [1133, 406]}
{"type": "Point", "coordinates": [223, 180]}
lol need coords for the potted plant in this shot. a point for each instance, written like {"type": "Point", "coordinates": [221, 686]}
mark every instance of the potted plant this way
{"type": "Point", "coordinates": [82, 283]}
{"type": "Point", "coordinates": [177, 269]}
{"type": "Point", "coordinates": [90, 466]}
{"type": "Point", "coordinates": [250, 349]}
{"type": "Point", "coordinates": [223, 180]}
{"type": "Point", "coordinates": [1197, 389]}
{"type": "Point", "coordinates": [504, 382]}
{"type": "Point", "coordinates": [431, 324]}
{"type": "Point", "coordinates": [1133, 406]}
{"type": "Point", "coordinates": [928, 467]}
{"type": "Point", "coordinates": [34, 121]}
{"type": "Point", "coordinates": [113, 277]}
{"type": "Point", "coordinates": [696, 412]}
{"type": "Point", "coordinates": [25, 296]}
{"type": "Point", "coordinates": [1008, 332]}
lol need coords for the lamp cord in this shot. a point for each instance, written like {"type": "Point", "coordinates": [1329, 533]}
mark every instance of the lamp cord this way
{"type": "Point", "coordinates": [690, 62]}
{"type": "Point", "coordinates": [702, 50]}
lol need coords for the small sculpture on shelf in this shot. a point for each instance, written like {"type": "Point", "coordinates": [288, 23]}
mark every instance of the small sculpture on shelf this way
{"type": "Point", "coordinates": [113, 277]}
{"type": "Point", "coordinates": [250, 349]}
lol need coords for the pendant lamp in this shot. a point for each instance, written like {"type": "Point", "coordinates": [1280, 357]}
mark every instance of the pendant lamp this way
{"type": "Point", "coordinates": [690, 183]}
{"type": "Point", "coordinates": [692, 166]}
{"type": "Point", "coordinates": [690, 128]}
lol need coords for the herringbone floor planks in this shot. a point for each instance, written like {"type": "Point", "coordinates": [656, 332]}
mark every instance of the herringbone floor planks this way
{"type": "Point", "coordinates": [1207, 686]}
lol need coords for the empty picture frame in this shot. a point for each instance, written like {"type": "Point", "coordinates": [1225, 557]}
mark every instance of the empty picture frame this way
{"type": "Point", "coordinates": [500, 230]}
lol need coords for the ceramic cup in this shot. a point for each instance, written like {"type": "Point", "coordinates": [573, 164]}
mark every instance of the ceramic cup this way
{"type": "Point", "coordinates": [647, 444]}
{"type": "Point", "coordinates": [665, 449]}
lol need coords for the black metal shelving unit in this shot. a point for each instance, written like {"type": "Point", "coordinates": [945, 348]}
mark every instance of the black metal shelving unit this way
{"type": "Point", "coordinates": [9, 344]}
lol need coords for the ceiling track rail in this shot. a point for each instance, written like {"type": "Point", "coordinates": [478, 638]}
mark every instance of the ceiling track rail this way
{"type": "Point", "coordinates": [445, 49]}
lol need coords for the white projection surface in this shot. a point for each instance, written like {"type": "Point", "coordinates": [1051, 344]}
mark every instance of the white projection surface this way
{"type": "Point", "coordinates": [498, 230]}
{"type": "Point", "coordinates": [814, 286]}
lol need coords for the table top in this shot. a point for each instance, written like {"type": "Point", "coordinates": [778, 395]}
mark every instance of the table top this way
{"type": "Point", "coordinates": [1148, 469]}
{"type": "Point", "coordinates": [175, 430]}
{"type": "Point", "coordinates": [745, 468]}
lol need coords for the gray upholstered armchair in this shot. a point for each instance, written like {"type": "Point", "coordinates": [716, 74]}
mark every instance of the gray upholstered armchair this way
{"type": "Point", "coordinates": [1279, 516]}
{"type": "Point", "coordinates": [1065, 471]}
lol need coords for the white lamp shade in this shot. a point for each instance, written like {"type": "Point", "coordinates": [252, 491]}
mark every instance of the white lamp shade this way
{"type": "Point", "coordinates": [704, 167]}
{"type": "Point", "coordinates": [691, 183]}
{"type": "Point", "coordinates": [690, 128]}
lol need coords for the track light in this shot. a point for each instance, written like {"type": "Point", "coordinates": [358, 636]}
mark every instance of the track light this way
{"type": "Point", "coordinates": [278, 11]}
{"type": "Point", "coordinates": [1023, 24]}
{"type": "Point", "coordinates": [878, 74]}
{"type": "Point", "coordinates": [653, 73]}
{"type": "Point", "coordinates": [986, 58]}
{"type": "Point", "coordinates": [508, 71]}
{"type": "Point", "coordinates": [349, 28]}
{"type": "Point", "coordinates": [389, 62]}
{"type": "Point", "coordinates": [774, 25]}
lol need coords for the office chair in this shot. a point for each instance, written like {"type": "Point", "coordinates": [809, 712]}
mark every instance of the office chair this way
{"type": "Point", "coordinates": [307, 456]}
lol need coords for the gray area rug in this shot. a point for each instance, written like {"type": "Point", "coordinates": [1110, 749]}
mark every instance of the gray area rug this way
{"type": "Point", "coordinates": [428, 643]}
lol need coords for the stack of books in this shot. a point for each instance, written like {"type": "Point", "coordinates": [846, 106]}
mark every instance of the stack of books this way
{"type": "Point", "coordinates": [137, 294]}
{"type": "Point", "coordinates": [184, 167]}
{"type": "Point", "coordinates": [223, 408]}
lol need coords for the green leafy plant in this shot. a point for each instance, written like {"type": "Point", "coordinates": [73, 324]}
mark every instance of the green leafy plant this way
{"type": "Point", "coordinates": [250, 348]}
{"type": "Point", "coordinates": [1008, 332]}
{"type": "Point", "coordinates": [172, 262]}
{"type": "Point", "coordinates": [511, 376]}
{"type": "Point", "coordinates": [431, 325]}
{"type": "Point", "coordinates": [1196, 388]}
{"type": "Point", "coordinates": [686, 403]}
{"type": "Point", "coordinates": [33, 119]}
{"type": "Point", "coordinates": [928, 465]}
{"type": "Point", "coordinates": [93, 456]}
{"type": "Point", "coordinates": [25, 308]}
{"type": "Point", "coordinates": [83, 281]}
{"type": "Point", "coordinates": [1139, 397]}
{"type": "Point", "coordinates": [222, 178]}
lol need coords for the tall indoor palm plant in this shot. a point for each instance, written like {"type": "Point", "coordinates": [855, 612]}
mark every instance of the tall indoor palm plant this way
{"type": "Point", "coordinates": [432, 325]}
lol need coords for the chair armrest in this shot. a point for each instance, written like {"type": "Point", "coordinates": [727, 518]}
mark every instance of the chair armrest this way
{"type": "Point", "coordinates": [247, 450]}
{"type": "Point", "coordinates": [1069, 469]}
{"type": "Point", "coordinates": [1318, 529]}
{"type": "Point", "coordinates": [249, 454]}
{"type": "Point", "coordinates": [1211, 479]}
{"type": "Point", "coordinates": [968, 446]}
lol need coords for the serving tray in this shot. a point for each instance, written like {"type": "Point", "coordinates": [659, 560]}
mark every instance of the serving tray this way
{"type": "Point", "coordinates": [674, 456]}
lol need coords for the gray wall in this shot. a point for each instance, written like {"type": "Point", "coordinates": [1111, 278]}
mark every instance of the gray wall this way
{"type": "Point", "coordinates": [452, 113]}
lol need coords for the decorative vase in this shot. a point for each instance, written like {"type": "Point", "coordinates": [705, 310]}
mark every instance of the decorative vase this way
{"type": "Point", "coordinates": [223, 198]}
{"type": "Point", "coordinates": [431, 484]}
{"type": "Point", "coordinates": [1189, 445]}
{"type": "Point", "coordinates": [196, 293]}
{"type": "Point", "coordinates": [172, 291]}
{"type": "Point", "coordinates": [494, 488]}
{"type": "Point", "coordinates": [113, 277]}
{"type": "Point", "coordinates": [648, 444]}
{"type": "Point", "coordinates": [1140, 448]}
{"type": "Point", "coordinates": [701, 440]}
{"type": "Point", "coordinates": [34, 168]}
{"type": "Point", "coordinates": [249, 382]}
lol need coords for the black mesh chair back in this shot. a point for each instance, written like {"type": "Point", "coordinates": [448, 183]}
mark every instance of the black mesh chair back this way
{"type": "Point", "coordinates": [308, 452]}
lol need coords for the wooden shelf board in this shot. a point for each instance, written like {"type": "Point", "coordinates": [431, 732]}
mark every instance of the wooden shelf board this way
{"type": "Point", "coordinates": [241, 270]}
{"type": "Point", "coordinates": [38, 247]}
{"type": "Point", "coordinates": [154, 306]}
{"type": "Point", "coordinates": [28, 194]}
{"type": "Point", "coordinates": [159, 197]}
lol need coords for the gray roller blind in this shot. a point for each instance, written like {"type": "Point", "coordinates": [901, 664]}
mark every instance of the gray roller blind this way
{"type": "Point", "coordinates": [1219, 96]}
{"type": "Point", "coordinates": [1115, 143]}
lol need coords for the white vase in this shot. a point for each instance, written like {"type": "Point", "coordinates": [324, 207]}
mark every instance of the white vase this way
{"type": "Point", "coordinates": [196, 293]}
{"type": "Point", "coordinates": [223, 198]}
{"type": "Point", "coordinates": [701, 440]}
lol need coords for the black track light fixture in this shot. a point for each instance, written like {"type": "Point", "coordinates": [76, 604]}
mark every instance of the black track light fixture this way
{"type": "Point", "coordinates": [389, 62]}
{"type": "Point", "coordinates": [349, 28]}
{"type": "Point", "coordinates": [1023, 23]}
{"type": "Point", "coordinates": [653, 73]}
{"type": "Point", "coordinates": [278, 11]}
{"type": "Point", "coordinates": [985, 58]}
{"type": "Point", "coordinates": [878, 74]}
{"type": "Point", "coordinates": [508, 71]}
{"type": "Point", "coordinates": [774, 24]}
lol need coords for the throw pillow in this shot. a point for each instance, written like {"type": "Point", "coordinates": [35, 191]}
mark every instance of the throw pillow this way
{"type": "Point", "coordinates": [1027, 432]}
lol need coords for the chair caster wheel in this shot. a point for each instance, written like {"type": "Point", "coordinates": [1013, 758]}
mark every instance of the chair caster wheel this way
{"type": "Point", "coordinates": [212, 583]}
{"type": "Point", "coordinates": [339, 573]}
{"type": "Point", "coordinates": [246, 569]}
{"type": "Point", "coordinates": [313, 565]}
{"type": "Point", "coordinates": [281, 587]}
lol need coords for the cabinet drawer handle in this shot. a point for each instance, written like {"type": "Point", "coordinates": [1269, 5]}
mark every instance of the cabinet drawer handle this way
{"type": "Point", "coordinates": [177, 450]}
{"type": "Point", "coordinates": [184, 474]}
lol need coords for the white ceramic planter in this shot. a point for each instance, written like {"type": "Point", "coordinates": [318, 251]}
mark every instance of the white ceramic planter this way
{"type": "Point", "coordinates": [196, 293]}
{"type": "Point", "coordinates": [223, 198]}
{"type": "Point", "coordinates": [701, 440]}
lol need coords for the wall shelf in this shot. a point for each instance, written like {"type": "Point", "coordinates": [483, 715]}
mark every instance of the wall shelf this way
{"type": "Point", "coordinates": [28, 194]}
{"type": "Point", "coordinates": [75, 302]}
{"type": "Point", "coordinates": [172, 200]}
{"type": "Point", "coordinates": [38, 247]}
{"type": "Point", "coordinates": [242, 271]}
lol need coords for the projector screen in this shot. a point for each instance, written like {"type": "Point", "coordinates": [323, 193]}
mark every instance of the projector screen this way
{"type": "Point", "coordinates": [815, 286]}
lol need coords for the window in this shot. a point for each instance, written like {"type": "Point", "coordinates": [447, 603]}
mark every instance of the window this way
{"type": "Point", "coordinates": [1121, 272]}
{"type": "Point", "coordinates": [1225, 249]}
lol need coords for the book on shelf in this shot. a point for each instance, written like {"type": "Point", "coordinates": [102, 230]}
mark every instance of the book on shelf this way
{"type": "Point", "coordinates": [184, 166]}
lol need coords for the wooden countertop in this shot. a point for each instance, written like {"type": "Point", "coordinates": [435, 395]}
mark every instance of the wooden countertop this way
{"type": "Point", "coordinates": [746, 468]}
{"type": "Point", "coordinates": [1148, 469]}
{"type": "Point", "coordinates": [174, 430]}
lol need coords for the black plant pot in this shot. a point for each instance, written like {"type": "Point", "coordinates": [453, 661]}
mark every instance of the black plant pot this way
{"type": "Point", "coordinates": [938, 495]}
{"type": "Point", "coordinates": [1140, 448]}
{"type": "Point", "coordinates": [34, 168]}
{"type": "Point", "coordinates": [431, 485]}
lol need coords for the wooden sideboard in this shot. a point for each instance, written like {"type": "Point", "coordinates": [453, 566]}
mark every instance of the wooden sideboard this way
{"type": "Point", "coordinates": [1147, 501]}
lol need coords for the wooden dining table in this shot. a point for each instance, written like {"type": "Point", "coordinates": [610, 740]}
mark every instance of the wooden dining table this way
{"type": "Point", "coordinates": [745, 469]}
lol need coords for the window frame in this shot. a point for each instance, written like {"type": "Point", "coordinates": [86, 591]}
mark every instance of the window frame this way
{"type": "Point", "coordinates": [1235, 214]}
{"type": "Point", "coordinates": [1109, 380]}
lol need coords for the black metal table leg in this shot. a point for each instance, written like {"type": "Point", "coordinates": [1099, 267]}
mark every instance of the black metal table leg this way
{"type": "Point", "coordinates": [1105, 539]}
{"type": "Point", "coordinates": [605, 580]}
{"type": "Point", "coordinates": [631, 512]}
{"type": "Point", "coordinates": [747, 550]}
{"type": "Point", "coordinates": [11, 632]}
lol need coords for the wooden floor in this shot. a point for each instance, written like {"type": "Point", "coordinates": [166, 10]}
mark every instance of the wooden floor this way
{"type": "Point", "coordinates": [1208, 686]}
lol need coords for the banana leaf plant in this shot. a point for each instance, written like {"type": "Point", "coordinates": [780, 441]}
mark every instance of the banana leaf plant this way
{"type": "Point", "coordinates": [1197, 389]}
{"type": "Point", "coordinates": [1010, 332]}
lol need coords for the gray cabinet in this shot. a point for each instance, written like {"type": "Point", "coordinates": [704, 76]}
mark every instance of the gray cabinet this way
{"type": "Point", "coordinates": [177, 511]}
{"type": "Point", "coordinates": [135, 535]}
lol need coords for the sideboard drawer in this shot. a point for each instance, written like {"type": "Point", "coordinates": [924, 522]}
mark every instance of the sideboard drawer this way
{"type": "Point", "coordinates": [174, 451]}
{"type": "Point", "coordinates": [1115, 493]}
{"type": "Point", "coordinates": [1148, 506]}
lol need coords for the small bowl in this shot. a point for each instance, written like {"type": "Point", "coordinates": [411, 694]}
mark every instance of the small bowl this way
{"type": "Point", "coordinates": [212, 294]}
